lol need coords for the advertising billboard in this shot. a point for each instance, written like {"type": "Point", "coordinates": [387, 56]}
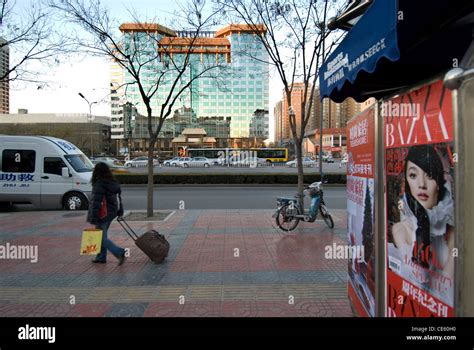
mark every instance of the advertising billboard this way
{"type": "Point", "coordinates": [360, 212]}
{"type": "Point", "coordinates": [419, 163]}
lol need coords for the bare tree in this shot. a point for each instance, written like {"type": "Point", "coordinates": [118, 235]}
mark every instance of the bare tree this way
{"type": "Point", "coordinates": [29, 34]}
{"type": "Point", "coordinates": [295, 42]}
{"type": "Point", "coordinates": [157, 62]}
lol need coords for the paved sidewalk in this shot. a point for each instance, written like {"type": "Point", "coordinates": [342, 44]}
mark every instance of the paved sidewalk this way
{"type": "Point", "coordinates": [221, 263]}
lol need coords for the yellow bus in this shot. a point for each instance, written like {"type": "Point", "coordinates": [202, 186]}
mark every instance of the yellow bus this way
{"type": "Point", "coordinates": [271, 155]}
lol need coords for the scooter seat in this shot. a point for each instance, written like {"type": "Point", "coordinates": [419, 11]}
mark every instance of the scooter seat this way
{"type": "Point", "coordinates": [286, 199]}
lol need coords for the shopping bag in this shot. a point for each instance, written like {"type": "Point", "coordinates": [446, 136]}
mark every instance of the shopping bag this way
{"type": "Point", "coordinates": [91, 241]}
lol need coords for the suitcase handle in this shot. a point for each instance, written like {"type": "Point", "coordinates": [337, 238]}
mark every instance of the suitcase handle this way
{"type": "Point", "coordinates": [127, 228]}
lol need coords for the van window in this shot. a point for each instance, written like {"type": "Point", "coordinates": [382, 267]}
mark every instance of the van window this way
{"type": "Point", "coordinates": [79, 162]}
{"type": "Point", "coordinates": [18, 161]}
{"type": "Point", "coordinates": [53, 165]}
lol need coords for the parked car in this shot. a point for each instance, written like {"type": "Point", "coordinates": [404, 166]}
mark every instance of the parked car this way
{"type": "Point", "coordinates": [251, 162]}
{"type": "Point", "coordinates": [140, 162]}
{"type": "Point", "coordinates": [173, 161]}
{"type": "Point", "coordinates": [110, 161]}
{"type": "Point", "coordinates": [196, 162]}
{"type": "Point", "coordinates": [183, 160]}
{"type": "Point", "coordinates": [307, 162]}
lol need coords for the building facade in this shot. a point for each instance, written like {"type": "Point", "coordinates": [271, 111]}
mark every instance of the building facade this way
{"type": "Point", "coordinates": [283, 135]}
{"type": "Point", "coordinates": [259, 127]}
{"type": "Point", "coordinates": [232, 87]}
{"type": "Point", "coordinates": [5, 83]}
{"type": "Point", "coordinates": [90, 136]}
{"type": "Point", "coordinates": [136, 135]}
{"type": "Point", "coordinates": [278, 117]}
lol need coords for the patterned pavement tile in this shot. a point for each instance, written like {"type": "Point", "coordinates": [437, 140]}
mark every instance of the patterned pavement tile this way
{"type": "Point", "coordinates": [14, 279]}
{"type": "Point", "coordinates": [127, 310]}
{"type": "Point", "coordinates": [163, 309]}
{"type": "Point", "coordinates": [203, 278]}
{"type": "Point", "coordinates": [17, 310]}
{"type": "Point", "coordinates": [237, 278]}
{"type": "Point", "coordinates": [182, 278]}
{"type": "Point", "coordinates": [89, 310]}
{"type": "Point", "coordinates": [201, 309]}
{"type": "Point", "coordinates": [240, 308]}
{"type": "Point", "coordinates": [202, 267]}
{"type": "Point", "coordinates": [51, 310]}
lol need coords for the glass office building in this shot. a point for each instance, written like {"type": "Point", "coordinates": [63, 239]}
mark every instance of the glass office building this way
{"type": "Point", "coordinates": [233, 87]}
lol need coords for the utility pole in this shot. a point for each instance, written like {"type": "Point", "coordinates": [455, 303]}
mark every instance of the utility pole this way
{"type": "Point", "coordinates": [323, 29]}
{"type": "Point", "coordinates": [128, 115]}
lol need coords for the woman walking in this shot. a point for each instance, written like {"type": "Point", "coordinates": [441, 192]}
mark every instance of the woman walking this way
{"type": "Point", "coordinates": [104, 207]}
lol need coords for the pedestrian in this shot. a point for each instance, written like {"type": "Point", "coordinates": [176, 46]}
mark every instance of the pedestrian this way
{"type": "Point", "coordinates": [104, 207]}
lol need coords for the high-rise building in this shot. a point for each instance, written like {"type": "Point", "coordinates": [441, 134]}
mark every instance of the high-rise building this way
{"type": "Point", "coordinates": [234, 91]}
{"type": "Point", "coordinates": [335, 115]}
{"type": "Point", "coordinates": [283, 133]}
{"type": "Point", "coordinates": [313, 122]}
{"type": "Point", "coordinates": [278, 117]}
{"type": "Point", "coordinates": [335, 118]}
{"type": "Point", "coordinates": [5, 83]}
{"type": "Point", "coordinates": [297, 98]}
{"type": "Point", "coordinates": [117, 102]}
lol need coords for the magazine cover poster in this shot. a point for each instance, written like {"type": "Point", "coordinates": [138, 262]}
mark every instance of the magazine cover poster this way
{"type": "Point", "coordinates": [360, 210]}
{"type": "Point", "coordinates": [420, 204]}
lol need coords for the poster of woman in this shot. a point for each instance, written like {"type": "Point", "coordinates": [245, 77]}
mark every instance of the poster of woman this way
{"type": "Point", "coordinates": [420, 208]}
{"type": "Point", "coordinates": [421, 236]}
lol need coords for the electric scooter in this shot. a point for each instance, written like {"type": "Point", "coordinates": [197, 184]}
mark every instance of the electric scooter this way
{"type": "Point", "coordinates": [288, 214]}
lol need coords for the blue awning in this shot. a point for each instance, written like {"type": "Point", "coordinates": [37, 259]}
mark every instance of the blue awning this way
{"type": "Point", "coordinates": [396, 44]}
{"type": "Point", "coordinates": [373, 37]}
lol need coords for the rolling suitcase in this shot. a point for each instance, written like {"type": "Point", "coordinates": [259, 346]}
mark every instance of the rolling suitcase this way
{"type": "Point", "coordinates": [152, 243]}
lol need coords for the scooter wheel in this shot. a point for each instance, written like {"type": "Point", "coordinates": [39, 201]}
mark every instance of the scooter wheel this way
{"type": "Point", "coordinates": [286, 219]}
{"type": "Point", "coordinates": [326, 216]}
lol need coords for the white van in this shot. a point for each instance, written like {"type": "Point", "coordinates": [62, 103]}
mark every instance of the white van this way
{"type": "Point", "coordinates": [47, 172]}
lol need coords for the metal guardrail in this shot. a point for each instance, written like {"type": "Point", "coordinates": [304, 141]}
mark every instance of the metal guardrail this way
{"type": "Point", "coordinates": [223, 166]}
{"type": "Point", "coordinates": [245, 165]}
{"type": "Point", "coordinates": [140, 166]}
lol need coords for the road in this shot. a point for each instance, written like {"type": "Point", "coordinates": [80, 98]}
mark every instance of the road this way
{"type": "Point", "coordinates": [222, 197]}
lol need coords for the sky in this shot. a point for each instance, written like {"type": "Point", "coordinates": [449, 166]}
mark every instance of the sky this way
{"type": "Point", "coordinates": [91, 75]}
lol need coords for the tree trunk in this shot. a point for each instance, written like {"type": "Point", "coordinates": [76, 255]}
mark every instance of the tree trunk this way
{"type": "Point", "coordinates": [149, 204]}
{"type": "Point", "coordinates": [299, 157]}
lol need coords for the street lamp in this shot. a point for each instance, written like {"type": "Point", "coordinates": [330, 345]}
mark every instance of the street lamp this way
{"type": "Point", "coordinates": [89, 119]}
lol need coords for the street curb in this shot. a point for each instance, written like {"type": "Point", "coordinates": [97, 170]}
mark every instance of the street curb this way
{"type": "Point", "coordinates": [225, 185]}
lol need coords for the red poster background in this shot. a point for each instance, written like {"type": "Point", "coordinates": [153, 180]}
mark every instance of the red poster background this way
{"type": "Point", "coordinates": [429, 127]}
